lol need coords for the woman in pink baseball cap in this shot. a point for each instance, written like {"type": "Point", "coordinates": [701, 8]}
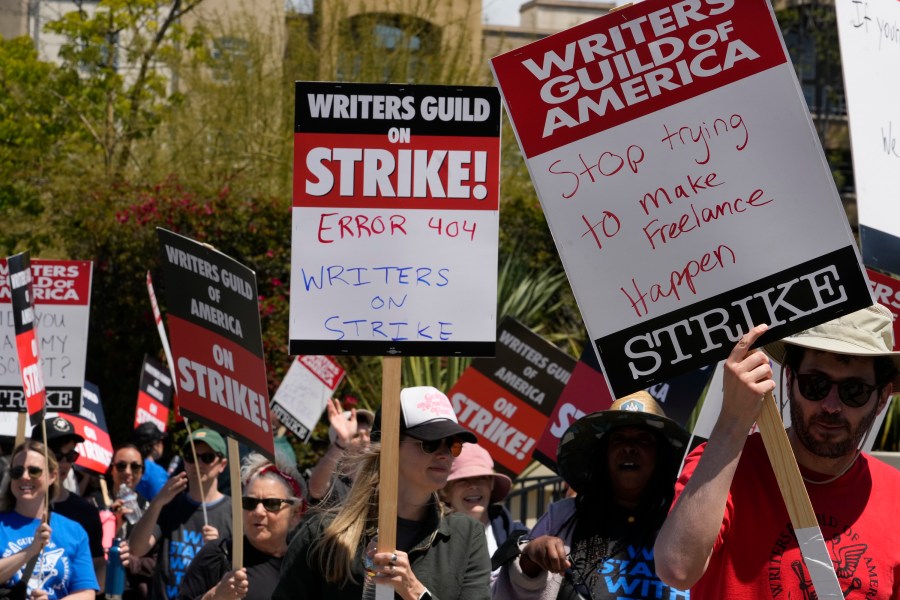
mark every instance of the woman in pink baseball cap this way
{"type": "Point", "coordinates": [474, 489]}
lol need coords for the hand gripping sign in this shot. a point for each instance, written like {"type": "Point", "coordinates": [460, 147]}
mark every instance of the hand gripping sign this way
{"type": "Point", "coordinates": [216, 340]}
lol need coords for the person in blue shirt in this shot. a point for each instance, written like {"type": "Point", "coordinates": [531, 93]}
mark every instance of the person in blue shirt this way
{"type": "Point", "coordinates": [149, 441]}
{"type": "Point", "coordinates": [60, 551]}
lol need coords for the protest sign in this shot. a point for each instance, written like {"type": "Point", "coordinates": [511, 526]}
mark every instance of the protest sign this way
{"type": "Point", "coordinates": [154, 394]}
{"type": "Point", "coordinates": [216, 340]}
{"type": "Point", "coordinates": [886, 291]}
{"type": "Point", "coordinates": [683, 182]}
{"type": "Point", "coordinates": [508, 400]}
{"type": "Point", "coordinates": [27, 350]}
{"type": "Point", "coordinates": [61, 300]}
{"type": "Point", "coordinates": [300, 399]}
{"type": "Point", "coordinates": [96, 451]}
{"type": "Point", "coordinates": [587, 392]}
{"type": "Point", "coordinates": [869, 34]}
{"type": "Point", "coordinates": [395, 220]}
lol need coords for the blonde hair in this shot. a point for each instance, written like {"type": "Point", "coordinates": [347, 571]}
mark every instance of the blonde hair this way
{"type": "Point", "coordinates": [7, 499]}
{"type": "Point", "coordinates": [352, 520]}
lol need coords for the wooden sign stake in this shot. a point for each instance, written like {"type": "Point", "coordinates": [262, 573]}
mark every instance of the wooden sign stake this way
{"type": "Point", "coordinates": [20, 428]}
{"type": "Point", "coordinates": [237, 515]}
{"type": "Point", "coordinates": [390, 458]}
{"type": "Point", "coordinates": [799, 507]}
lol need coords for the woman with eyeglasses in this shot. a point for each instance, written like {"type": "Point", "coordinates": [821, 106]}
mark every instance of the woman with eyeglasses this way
{"type": "Point", "coordinates": [59, 550]}
{"type": "Point", "coordinates": [126, 469]}
{"type": "Point", "coordinates": [335, 553]}
{"type": "Point", "coordinates": [272, 505]}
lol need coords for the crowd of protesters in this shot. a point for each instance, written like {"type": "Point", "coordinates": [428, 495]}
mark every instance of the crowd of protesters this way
{"type": "Point", "coordinates": [617, 535]}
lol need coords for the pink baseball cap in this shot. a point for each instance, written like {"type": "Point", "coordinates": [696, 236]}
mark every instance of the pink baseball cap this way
{"type": "Point", "coordinates": [475, 461]}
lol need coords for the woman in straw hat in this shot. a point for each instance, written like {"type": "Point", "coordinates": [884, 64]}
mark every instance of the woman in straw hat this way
{"type": "Point", "coordinates": [622, 464]}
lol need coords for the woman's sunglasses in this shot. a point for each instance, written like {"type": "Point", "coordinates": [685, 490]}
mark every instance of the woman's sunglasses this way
{"type": "Point", "coordinates": [121, 466]}
{"type": "Point", "coordinates": [272, 505]}
{"type": "Point", "coordinates": [852, 392]}
{"type": "Point", "coordinates": [207, 458]}
{"type": "Point", "coordinates": [454, 444]}
{"type": "Point", "coordinates": [18, 471]}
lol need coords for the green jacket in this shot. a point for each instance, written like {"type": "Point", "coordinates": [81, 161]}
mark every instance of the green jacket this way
{"type": "Point", "coordinates": [452, 562]}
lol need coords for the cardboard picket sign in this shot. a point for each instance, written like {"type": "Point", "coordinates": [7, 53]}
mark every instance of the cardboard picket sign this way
{"type": "Point", "coordinates": [96, 451]}
{"type": "Point", "coordinates": [507, 400]}
{"type": "Point", "coordinates": [869, 35]}
{"type": "Point", "coordinates": [683, 182]}
{"type": "Point", "coordinates": [154, 394]}
{"type": "Point", "coordinates": [216, 340]}
{"type": "Point", "coordinates": [587, 392]}
{"type": "Point", "coordinates": [304, 392]}
{"type": "Point", "coordinates": [395, 220]}
{"type": "Point", "coordinates": [61, 301]}
{"type": "Point", "coordinates": [27, 348]}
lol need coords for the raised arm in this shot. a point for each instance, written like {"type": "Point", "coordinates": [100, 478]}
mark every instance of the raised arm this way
{"type": "Point", "coordinates": [685, 543]}
{"type": "Point", "coordinates": [141, 539]}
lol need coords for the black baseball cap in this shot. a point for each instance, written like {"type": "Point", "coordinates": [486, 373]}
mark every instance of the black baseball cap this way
{"type": "Point", "coordinates": [147, 433]}
{"type": "Point", "coordinates": [59, 431]}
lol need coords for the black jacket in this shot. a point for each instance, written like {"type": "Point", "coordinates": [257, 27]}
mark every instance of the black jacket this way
{"type": "Point", "coordinates": [452, 562]}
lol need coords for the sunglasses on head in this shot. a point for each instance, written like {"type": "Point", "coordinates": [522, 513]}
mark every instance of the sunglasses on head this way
{"type": "Point", "coordinates": [121, 466]}
{"type": "Point", "coordinates": [453, 444]}
{"type": "Point", "coordinates": [207, 458]}
{"type": "Point", "coordinates": [70, 457]}
{"type": "Point", "coordinates": [272, 505]}
{"type": "Point", "coordinates": [852, 392]}
{"type": "Point", "coordinates": [18, 471]}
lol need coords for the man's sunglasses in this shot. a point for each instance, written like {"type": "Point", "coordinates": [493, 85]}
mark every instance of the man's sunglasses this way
{"type": "Point", "coordinates": [272, 505]}
{"type": "Point", "coordinates": [454, 444]}
{"type": "Point", "coordinates": [207, 458]}
{"type": "Point", "coordinates": [121, 466]}
{"type": "Point", "coordinates": [852, 392]}
{"type": "Point", "coordinates": [18, 471]}
{"type": "Point", "coordinates": [70, 457]}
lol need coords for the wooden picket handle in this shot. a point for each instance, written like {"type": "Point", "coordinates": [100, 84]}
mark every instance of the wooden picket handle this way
{"type": "Point", "coordinates": [787, 473]}
{"type": "Point", "coordinates": [796, 499]}
{"type": "Point", "coordinates": [390, 456]}
{"type": "Point", "coordinates": [237, 514]}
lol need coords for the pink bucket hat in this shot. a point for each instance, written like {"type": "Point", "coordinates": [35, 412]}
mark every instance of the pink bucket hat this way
{"type": "Point", "coordinates": [475, 461]}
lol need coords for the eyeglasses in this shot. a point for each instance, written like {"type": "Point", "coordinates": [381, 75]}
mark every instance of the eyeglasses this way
{"type": "Point", "coordinates": [18, 471]}
{"type": "Point", "coordinates": [272, 505]}
{"type": "Point", "coordinates": [453, 444]}
{"type": "Point", "coordinates": [121, 466]}
{"type": "Point", "coordinates": [70, 457]}
{"type": "Point", "coordinates": [207, 458]}
{"type": "Point", "coordinates": [852, 392]}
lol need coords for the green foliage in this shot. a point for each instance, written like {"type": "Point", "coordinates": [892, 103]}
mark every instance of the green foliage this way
{"type": "Point", "coordinates": [35, 129]}
{"type": "Point", "coordinates": [117, 229]}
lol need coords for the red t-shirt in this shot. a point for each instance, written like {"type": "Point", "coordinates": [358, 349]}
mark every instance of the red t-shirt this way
{"type": "Point", "coordinates": [756, 556]}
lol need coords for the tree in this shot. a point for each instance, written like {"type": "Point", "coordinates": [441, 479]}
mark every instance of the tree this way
{"type": "Point", "coordinates": [35, 130]}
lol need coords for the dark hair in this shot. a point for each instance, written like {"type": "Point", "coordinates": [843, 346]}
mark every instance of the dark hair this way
{"type": "Point", "coordinates": [885, 369]}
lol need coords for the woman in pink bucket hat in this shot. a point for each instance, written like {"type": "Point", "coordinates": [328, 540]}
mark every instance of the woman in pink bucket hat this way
{"type": "Point", "coordinates": [475, 489]}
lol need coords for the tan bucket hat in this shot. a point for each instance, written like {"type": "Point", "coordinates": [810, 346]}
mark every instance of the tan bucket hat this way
{"type": "Point", "coordinates": [579, 447]}
{"type": "Point", "coordinates": [866, 332]}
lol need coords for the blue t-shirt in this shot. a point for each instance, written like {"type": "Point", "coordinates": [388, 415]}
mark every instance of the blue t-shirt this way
{"type": "Point", "coordinates": [64, 567]}
{"type": "Point", "coordinates": [153, 480]}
